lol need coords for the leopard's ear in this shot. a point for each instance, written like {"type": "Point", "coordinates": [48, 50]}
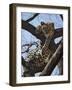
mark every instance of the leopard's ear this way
{"type": "Point", "coordinates": [51, 25]}
{"type": "Point", "coordinates": [42, 23]}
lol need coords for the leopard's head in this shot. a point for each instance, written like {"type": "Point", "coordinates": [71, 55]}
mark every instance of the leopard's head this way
{"type": "Point", "coordinates": [47, 29]}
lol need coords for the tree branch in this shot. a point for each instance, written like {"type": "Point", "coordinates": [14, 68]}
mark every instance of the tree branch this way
{"type": "Point", "coordinates": [53, 61]}
{"type": "Point", "coordinates": [58, 32]}
{"type": "Point", "coordinates": [60, 66]}
{"type": "Point", "coordinates": [30, 28]}
{"type": "Point", "coordinates": [30, 19]}
{"type": "Point", "coordinates": [61, 17]}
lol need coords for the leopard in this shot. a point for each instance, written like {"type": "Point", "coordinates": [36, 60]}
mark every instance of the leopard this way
{"type": "Point", "coordinates": [38, 62]}
{"type": "Point", "coordinates": [46, 29]}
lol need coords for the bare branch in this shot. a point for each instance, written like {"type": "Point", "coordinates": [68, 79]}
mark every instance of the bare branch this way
{"type": "Point", "coordinates": [30, 19]}
{"type": "Point", "coordinates": [61, 17]}
{"type": "Point", "coordinates": [58, 32]}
